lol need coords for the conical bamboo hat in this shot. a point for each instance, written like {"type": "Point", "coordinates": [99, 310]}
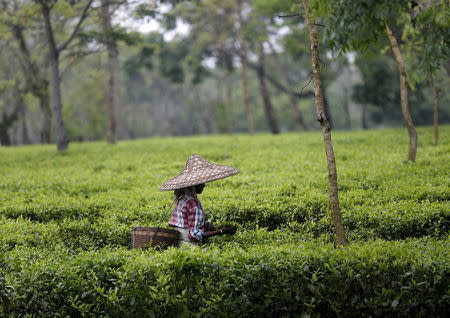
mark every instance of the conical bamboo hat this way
{"type": "Point", "coordinates": [198, 171]}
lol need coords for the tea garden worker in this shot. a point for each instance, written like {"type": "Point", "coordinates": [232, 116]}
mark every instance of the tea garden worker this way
{"type": "Point", "coordinates": [188, 217]}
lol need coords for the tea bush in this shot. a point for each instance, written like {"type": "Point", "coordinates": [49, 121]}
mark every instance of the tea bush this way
{"type": "Point", "coordinates": [65, 221]}
{"type": "Point", "coordinates": [377, 279]}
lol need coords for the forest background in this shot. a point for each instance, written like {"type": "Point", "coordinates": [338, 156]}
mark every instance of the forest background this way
{"type": "Point", "coordinates": [131, 69]}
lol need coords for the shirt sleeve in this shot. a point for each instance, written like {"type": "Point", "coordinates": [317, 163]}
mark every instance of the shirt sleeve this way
{"type": "Point", "coordinates": [195, 220]}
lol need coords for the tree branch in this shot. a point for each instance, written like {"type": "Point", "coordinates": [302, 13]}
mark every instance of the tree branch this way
{"type": "Point", "coordinates": [280, 86]}
{"type": "Point", "coordinates": [77, 27]}
{"type": "Point", "coordinates": [48, 27]}
{"type": "Point", "coordinates": [309, 82]}
{"type": "Point", "coordinates": [289, 15]}
{"type": "Point", "coordinates": [75, 59]}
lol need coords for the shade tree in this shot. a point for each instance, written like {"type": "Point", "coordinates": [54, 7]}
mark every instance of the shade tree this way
{"type": "Point", "coordinates": [428, 43]}
{"type": "Point", "coordinates": [357, 25]}
{"type": "Point", "coordinates": [77, 11]}
{"type": "Point", "coordinates": [232, 31]}
{"type": "Point", "coordinates": [20, 24]}
{"type": "Point", "coordinates": [177, 64]}
{"type": "Point", "coordinates": [321, 116]}
{"type": "Point", "coordinates": [12, 90]}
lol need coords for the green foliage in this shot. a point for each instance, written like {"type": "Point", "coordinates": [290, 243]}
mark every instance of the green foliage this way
{"type": "Point", "coordinates": [65, 229]}
{"type": "Point", "coordinates": [174, 59]}
{"type": "Point", "coordinates": [273, 7]}
{"type": "Point", "coordinates": [359, 25]}
{"type": "Point", "coordinates": [380, 88]}
{"type": "Point", "coordinates": [87, 100]}
{"type": "Point", "coordinates": [367, 279]}
{"type": "Point", "coordinates": [428, 37]}
{"type": "Point", "coordinates": [356, 25]}
{"type": "Point", "coordinates": [380, 82]}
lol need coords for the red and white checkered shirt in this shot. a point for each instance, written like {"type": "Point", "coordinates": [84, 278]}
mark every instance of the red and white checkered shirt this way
{"type": "Point", "coordinates": [188, 214]}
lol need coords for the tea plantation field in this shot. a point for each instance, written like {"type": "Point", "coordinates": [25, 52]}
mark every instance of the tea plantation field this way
{"type": "Point", "coordinates": [65, 222]}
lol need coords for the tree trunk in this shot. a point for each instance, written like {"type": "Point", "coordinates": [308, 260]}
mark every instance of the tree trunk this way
{"type": "Point", "coordinates": [244, 60]}
{"type": "Point", "coordinates": [204, 113]}
{"type": "Point", "coordinates": [61, 138]}
{"type": "Point", "coordinates": [298, 117]}
{"type": "Point", "coordinates": [5, 124]}
{"type": "Point", "coordinates": [224, 82]}
{"type": "Point", "coordinates": [113, 70]}
{"type": "Point", "coordinates": [220, 109]}
{"type": "Point", "coordinates": [44, 105]}
{"type": "Point", "coordinates": [276, 83]}
{"type": "Point", "coordinates": [5, 140]}
{"type": "Point", "coordinates": [37, 83]}
{"type": "Point", "coordinates": [404, 96]}
{"type": "Point", "coordinates": [269, 111]}
{"type": "Point", "coordinates": [364, 116]}
{"type": "Point", "coordinates": [348, 122]}
{"type": "Point", "coordinates": [245, 93]}
{"type": "Point", "coordinates": [230, 106]}
{"type": "Point", "coordinates": [25, 135]}
{"type": "Point", "coordinates": [448, 68]}
{"type": "Point", "coordinates": [326, 130]}
{"type": "Point", "coordinates": [7, 121]}
{"type": "Point", "coordinates": [436, 103]}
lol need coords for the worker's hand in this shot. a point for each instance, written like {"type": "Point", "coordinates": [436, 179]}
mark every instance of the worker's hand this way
{"type": "Point", "coordinates": [228, 230]}
{"type": "Point", "coordinates": [209, 226]}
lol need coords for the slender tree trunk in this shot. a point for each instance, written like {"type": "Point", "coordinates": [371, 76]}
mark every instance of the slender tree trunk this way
{"type": "Point", "coordinates": [225, 83]}
{"type": "Point", "coordinates": [44, 105]}
{"type": "Point", "coordinates": [436, 103]}
{"type": "Point", "coordinates": [364, 116]}
{"type": "Point", "coordinates": [230, 106]}
{"type": "Point", "coordinates": [37, 83]}
{"type": "Point", "coordinates": [268, 108]}
{"type": "Point", "coordinates": [326, 130]}
{"type": "Point", "coordinates": [5, 139]}
{"type": "Point", "coordinates": [404, 96]}
{"type": "Point", "coordinates": [244, 60]}
{"type": "Point", "coordinates": [221, 111]}
{"type": "Point", "coordinates": [348, 122]}
{"type": "Point", "coordinates": [61, 137]}
{"type": "Point", "coordinates": [7, 121]}
{"type": "Point", "coordinates": [298, 117]}
{"type": "Point", "coordinates": [221, 107]}
{"type": "Point", "coordinates": [113, 70]}
{"type": "Point", "coordinates": [245, 92]}
{"type": "Point", "coordinates": [23, 109]}
{"type": "Point", "coordinates": [448, 68]}
{"type": "Point", "coordinates": [193, 108]}
{"type": "Point", "coordinates": [282, 88]}
{"type": "Point", "coordinates": [204, 113]}
{"type": "Point", "coordinates": [54, 53]}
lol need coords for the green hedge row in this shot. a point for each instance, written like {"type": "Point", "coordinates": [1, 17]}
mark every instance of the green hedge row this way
{"type": "Point", "coordinates": [377, 279]}
{"type": "Point", "coordinates": [399, 220]}
{"type": "Point", "coordinates": [390, 221]}
{"type": "Point", "coordinates": [79, 234]}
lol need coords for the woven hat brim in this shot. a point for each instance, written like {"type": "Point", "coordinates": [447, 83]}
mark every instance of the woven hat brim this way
{"type": "Point", "coordinates": [212, 173]}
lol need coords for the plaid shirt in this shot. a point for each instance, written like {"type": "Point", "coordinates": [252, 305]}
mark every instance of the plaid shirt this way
{"type": "Point", "coordinates": [188, 214]}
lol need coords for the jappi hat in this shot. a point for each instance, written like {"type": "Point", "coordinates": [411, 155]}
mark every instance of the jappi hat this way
{"type": "Point", "coordinates": [198, 171]}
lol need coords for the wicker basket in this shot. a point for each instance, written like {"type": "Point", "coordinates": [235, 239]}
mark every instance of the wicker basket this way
{"type": "Point", "coordinates": [143, 237]}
